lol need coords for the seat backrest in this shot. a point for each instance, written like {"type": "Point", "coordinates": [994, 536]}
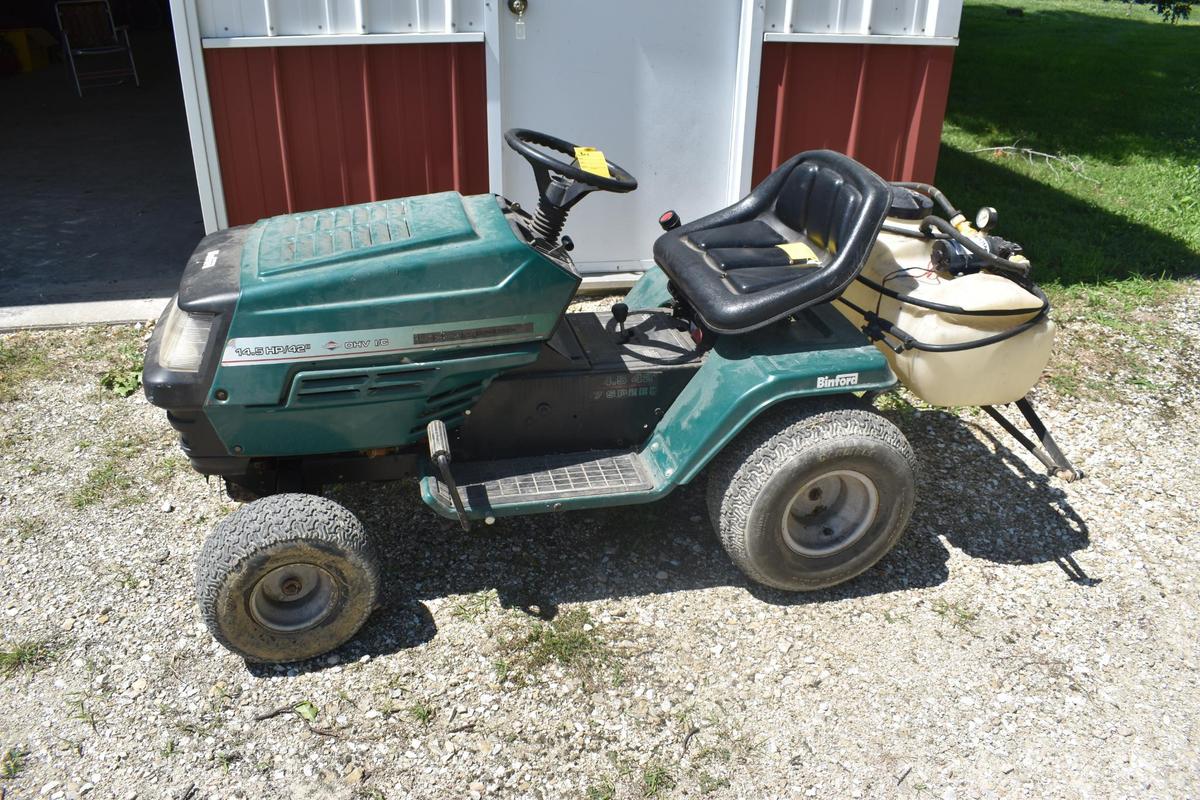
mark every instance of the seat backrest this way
{"type": "Point", "coordinates": [818, 201]}
{"type": "Point", "coordinates": [87, 23]}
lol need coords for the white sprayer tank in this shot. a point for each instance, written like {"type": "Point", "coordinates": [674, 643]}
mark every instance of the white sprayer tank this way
{"type": "Point", "coordinates": [997, 373]}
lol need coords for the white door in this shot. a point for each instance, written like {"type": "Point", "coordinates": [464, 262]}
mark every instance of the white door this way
{"type": "Point", "coordinates": [652, 83]}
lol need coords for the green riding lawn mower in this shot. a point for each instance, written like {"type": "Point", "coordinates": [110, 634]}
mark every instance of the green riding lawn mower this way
{"type": "Point", "coordinates": [427, 336]}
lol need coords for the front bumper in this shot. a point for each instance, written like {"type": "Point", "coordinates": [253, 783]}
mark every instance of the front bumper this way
{"type": "Point", "coordinates": [211, 286]}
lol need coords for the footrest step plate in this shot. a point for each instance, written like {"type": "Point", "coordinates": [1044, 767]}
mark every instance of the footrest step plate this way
{"type": "Point", "coordinates": [492, 485]}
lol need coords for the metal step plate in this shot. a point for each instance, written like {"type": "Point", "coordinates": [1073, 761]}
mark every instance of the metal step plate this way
{"type": "Point", "coordinates": [545, 479]}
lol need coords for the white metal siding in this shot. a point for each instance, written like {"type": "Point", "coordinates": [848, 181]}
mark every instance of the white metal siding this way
{"type": "Point", "coordinates": [933, 18]}
{"type": "Point", "coordinates": [223, 19]}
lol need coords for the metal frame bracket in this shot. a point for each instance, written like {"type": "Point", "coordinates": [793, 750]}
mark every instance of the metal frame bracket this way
{"type": "Point", "coordinates": [1045, 449]}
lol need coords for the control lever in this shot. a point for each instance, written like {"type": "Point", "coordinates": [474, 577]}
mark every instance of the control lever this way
{"type": "Point", "coordinates": [620, 313]}
{"type": "Point", "coordinates": [439, 453]}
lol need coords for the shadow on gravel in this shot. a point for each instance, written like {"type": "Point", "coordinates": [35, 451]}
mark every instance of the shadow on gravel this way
{"type": "Point", "coordinates": [399, 623]}
{"type": "Point", "coordinates": [978, 496]}
{"type": "Point", "coordinates": [986, 501]}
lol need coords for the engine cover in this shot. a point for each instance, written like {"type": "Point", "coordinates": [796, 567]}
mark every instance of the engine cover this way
{"type": "Point", "coordinates": [347, 329]}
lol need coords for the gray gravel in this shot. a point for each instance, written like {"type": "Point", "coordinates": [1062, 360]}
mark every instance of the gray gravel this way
{"type": "Point", "coordinates": [1028, 638]}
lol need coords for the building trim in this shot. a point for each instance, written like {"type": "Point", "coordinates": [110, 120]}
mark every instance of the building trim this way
{"type": "Point", "coordinates": [745, 99]}
{"type": "Point", "coordinates": [320, 40]}
{"type": "Point", "coordinates": [194, 85]}
{"type": "Point", "coordinates": [495, 90]}
{"type": "Point", "coordinates": [862, 38]}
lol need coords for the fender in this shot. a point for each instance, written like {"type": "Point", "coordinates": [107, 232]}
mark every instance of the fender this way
{"type": "Point", "coordinates": [819, 353]}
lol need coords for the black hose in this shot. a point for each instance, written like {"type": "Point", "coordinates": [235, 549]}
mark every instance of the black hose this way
{"type": "Point", "coordinates": [933, 193]}
{"type": "Point", "coordinates": [885, 327]}
{"type": "Point", "coordinates": [971, 345]}
{"type": "Point", "coordinates": [912, 233]}
{"type": "Point", "coordinates": [964, 312]}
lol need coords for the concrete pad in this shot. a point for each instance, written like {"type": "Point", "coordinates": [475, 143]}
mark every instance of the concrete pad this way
{"type": "Point", "coordinates": [97, 194]}
{"type": "Point", "coordinates": [60, 315]}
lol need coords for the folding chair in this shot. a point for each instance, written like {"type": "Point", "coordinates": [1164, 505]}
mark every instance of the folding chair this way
{"type": "Point", "coordinates": [88, 30]}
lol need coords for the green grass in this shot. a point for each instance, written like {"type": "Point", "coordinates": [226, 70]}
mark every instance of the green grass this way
{"type": "Point", "coordinates": [656, 780]}
{"type": "Point", "coordinates": [81, 712]}
{"type": "Point", "coordinates": [708, 784]}
{"type": "Point", "coordinates": [570, 639]}
{"type": "Point", "coordinates": [957, 614]}
{"type": "Point", "coordinates": [124, 374]}
{"type": "Point", "coordinates": [168, 467]}
{"type": "Point", "coordinates": [23, 358]}
{"type": "Point", "coordinates": [604, 790]}
{"type": "Point", "coordinates": [1116, 90]}
{"type": "Point", "coordinates": [474, 606]}
{"type": "Point", "coordinates": [28, 527]}
{"type": "Point", "coordinates": [27, 655]}
{"type": "Point", "coordinates": [1108, 83]}
{"type": "Point", "coordinates": [12, 762]}
{"type": "Point", "coordinates": [1099, 361]}
{"type": "Point", "coordinates": [103, 481]}
{"type": "Point", "coordinates": [112, 479]}
{"type": "Point", "coordinates": [113, 353]}
{"type": "Point", "coordinates": [421, 712]}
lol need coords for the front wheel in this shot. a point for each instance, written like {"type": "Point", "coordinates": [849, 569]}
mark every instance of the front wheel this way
{"type": "Point", "coordinates": [287, 577]}
{"type": "Point", "coordinates": [812, 494]}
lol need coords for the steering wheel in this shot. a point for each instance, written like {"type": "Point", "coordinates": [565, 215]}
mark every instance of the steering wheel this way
{"type": "Point", "coordinates": [523, 142]}
{"type": "Point", "coordinates": [561, 182]}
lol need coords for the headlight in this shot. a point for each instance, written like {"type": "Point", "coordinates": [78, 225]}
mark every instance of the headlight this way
{"type": "Point", "coordinates": [184, 339]}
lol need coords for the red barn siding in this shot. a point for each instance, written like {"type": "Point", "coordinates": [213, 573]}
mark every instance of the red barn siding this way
{"type": "Point", "coordinates": [880, 104]}
{"type": "Point", "coordinates": [300, 128]}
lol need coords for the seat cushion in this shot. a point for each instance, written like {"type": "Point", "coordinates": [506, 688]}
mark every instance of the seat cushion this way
{"type": "Point", "coordinates": [738, 257]}
{"type": "Point", "coordinates": [755, 233]}
{"type": "Point", "coordinates": [755, 279]}
{"type": "Point", "coordinates": [728, 267]}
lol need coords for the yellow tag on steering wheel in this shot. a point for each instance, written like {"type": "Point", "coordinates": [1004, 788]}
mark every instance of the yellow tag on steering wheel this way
{"type": "Point", "coordinates": [592, 160]}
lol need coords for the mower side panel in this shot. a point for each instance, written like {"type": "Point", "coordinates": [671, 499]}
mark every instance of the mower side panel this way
{"type": "Point", "coordinates": [364, 406]}
{"type": "Point", "coordinates": [649, 291]}
{"type": "Point", "coordinates": [819, 353]}
{"type": "Point", "coordinates": [402, 310]}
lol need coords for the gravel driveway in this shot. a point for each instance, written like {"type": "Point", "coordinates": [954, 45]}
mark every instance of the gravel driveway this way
{"type": "Point", "coordinates": [1027, 638]}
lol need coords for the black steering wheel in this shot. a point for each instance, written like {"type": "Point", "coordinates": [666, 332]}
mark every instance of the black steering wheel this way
{"type": "Point", "coordinates": [561, 182]}
{"type": "Point", "coordinates": [530, 144]}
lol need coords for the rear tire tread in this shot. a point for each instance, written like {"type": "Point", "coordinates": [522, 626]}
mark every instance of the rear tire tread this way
{"type": "Point", "coordinates": [743, 468]}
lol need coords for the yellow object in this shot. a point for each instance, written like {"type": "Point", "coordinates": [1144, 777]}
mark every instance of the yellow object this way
{"type": "Point", "coordinates": [991, 375]}
{"type": "Point", "coordinates": [31, 47]}
{"type": "Point", "coordinates": [798, 252]}
{"type": "Point", "coordinates": [592, 160]}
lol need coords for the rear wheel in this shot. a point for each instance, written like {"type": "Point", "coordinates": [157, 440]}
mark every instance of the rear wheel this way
{"type": "Point", "coordinates": [812, 494]}
{"type": "Point", "coordinates": [287, 577]}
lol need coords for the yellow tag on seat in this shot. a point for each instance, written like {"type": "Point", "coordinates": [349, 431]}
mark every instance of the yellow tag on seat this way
{"type": "Point", "coordinates": [798, 252]}
{"type": "Point", "coordinates": [592, 160]}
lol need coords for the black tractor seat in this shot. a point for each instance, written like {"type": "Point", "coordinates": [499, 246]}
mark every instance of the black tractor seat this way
{"type": "Point", "coordinates": [796, 240]}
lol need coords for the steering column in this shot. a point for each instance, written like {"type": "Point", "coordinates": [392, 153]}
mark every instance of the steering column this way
{"type": "Point", "coordinates": [561, 183]}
